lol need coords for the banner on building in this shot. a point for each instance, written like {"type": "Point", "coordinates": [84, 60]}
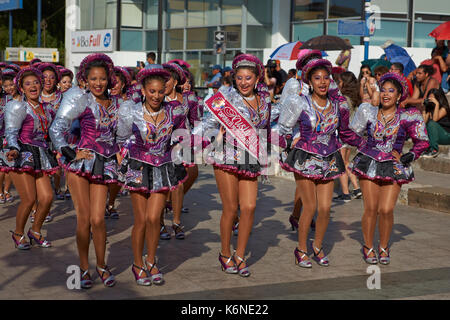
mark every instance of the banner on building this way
{"type": "Point", "coordinates": [8, 5]}
{"type": "Point", "coordinates": [93, 41]}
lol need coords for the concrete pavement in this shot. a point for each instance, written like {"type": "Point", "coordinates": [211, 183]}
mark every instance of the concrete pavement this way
{"type": "Point", "coordinates": [420, 251]}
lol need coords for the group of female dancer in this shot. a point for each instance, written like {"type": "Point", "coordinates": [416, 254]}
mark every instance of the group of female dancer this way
{"type": "Point", "coordinates": [127, 133]}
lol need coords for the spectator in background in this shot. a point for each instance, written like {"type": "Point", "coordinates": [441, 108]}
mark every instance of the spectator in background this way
{"type": "Point", "coordinates": [343, 60]}
{"type": "Point", "coordinates": [379, 71]}
{"type": "Point", "coordinates": [398, 68]}
{"type": "Point", "coordinates": [284, 75]}
{"type": "Point", "coordinates": [227, 81]}
{"type": "Point", "coordinates": [368, 87]}
{"type": "Point", "coordinates": [438, 63]}
{"type": "Point", "coordinates": [216, 75]}
{"type": "Point", "coordinates": [437, 117]}
{"type": "Point", "coordinates": [151, 58]}
{"type": "Point", "coordinates": [215, 86]}
{"type": "Point", "coordinates": [226, 72]}
{"type": "Point", "coordinates": [292, 73]}
{"type": "Point", "coordinates": [424, 83]}
{"type": "Point", "coordinates": [440, 44]}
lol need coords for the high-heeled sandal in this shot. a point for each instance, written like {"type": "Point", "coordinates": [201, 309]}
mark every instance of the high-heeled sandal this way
{"type": "Point", "coordinates": [321, 261]}
{"type": "Point", "coordinates": [86, 280]}
{"type": "Point", "coordinates": [243, 272]}
{"type": "Point", "coordinates": [300, 259]}
{"type": "Point", "coordinates": [8, 197]}
{"type": "Point", "coordinates": [384, 259]}
{"type": "Point", "coordinates": [367, 259]}
{"type": "Point", "coordinates": [2, 198]}
{"type": "Point", "coordinates": [224, 265]}
{"type": "Point", "coordinates": [41, 241]}
{"type": "Point", "coordinates": [110, 281]}
{"type": "Point", "coordinates": [179, 232]}
{"type": "Point", "coordinates": [157, 278]}
{"type": "Point", "coordinates": [140, 279]}
{"type": "Point", "coordinates": [111, 212]}
{"type": "Point", "coordinates": [294, 222]}
{"type": "Point", "coordinates": [18, 244]}
{"type": "Point", "coordinates": [163, 234]}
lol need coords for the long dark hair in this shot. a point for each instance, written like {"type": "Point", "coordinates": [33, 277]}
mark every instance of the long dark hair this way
{"type": "Point", "coordinates": [364, 66]}
{"type": "Point", "coordinates": [441, 98]}
{"type": "Point", "coordinates": [350, 88]}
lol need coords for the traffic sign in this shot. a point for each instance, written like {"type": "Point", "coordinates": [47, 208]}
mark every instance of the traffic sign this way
{"type": "Point", "coordinates": [220, 36]}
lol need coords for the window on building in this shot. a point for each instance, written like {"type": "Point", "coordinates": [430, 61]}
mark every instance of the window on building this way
{"type": "Point", "coordinates": [131, 40]}
{"type": "Point", "coordinates": [259, 12]}
{"type": "Point", "coordinates": [151, 40]}
{"type": "Point", "coordinates": [175, 13]}
{"type": "Point", "coordinates": [202, 12]}
{"type": "Point", "coordinates": [332, 30]}
{"type": "Point", "coordinates": [235, 29]}
{"type": "Point", "coordinates": [132, 13]}
{"type": "Point", "coordinates": [259, 37]}
{"type": "Point", "coordinates": [231, 11]}
{"type": "Point", "coordinates": [392, 7]}
{"type": "Point", "coordinates": [174, 39]}
{"type": "Point", "coordinates": [152, 8]}
{"type": "Point", "coordinates": [396, 31]}
{"type": "Point", "coordinates": [305, 31]}
{"type": "Point", "coordinates": [200, 38]}
{"type": "Point", "coordinates": [309, 9]}
{"type": "Point", "coordinates": [347, 8]}
{"type": "Point", "coordinates": [105, 13]}
{"type": "Point", "coordinates": [421, 37]}
{"type": "Point", "coordinates": [85, 14]}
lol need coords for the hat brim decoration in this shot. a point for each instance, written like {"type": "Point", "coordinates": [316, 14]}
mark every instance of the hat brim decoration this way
{"type": "Point", "coordinates": [249, 60]}
{"type": "Point", "coordinates": [313, 64]}
{"type": "Point", "coordinates": [20, 75]}
{"type": "Point", "coordinates": [125, 74]}
{"type": "Point", "coordinates": [14, 67]}
{"type": "Point", "coordinates": [153, 70]}
{"type": "Point", "coordinates": [34, 61]}
{"type": "Point", "coordinates": [8, 72]}
{"type": "Point", "coordinates": [66, 72]}
{"type": "Point", "coordinates": [99, 57]}
{"type": "Point", "coordinates": [51, 66]}
{"type": "Point", "coordinates": [175, 67]}
{"type": "Point", "coordinates": [306, 54]}
{"type": "Point", "coordinates": [400, 79]}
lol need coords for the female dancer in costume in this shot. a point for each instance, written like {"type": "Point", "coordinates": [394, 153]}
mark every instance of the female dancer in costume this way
{"type": "Point", "coordinates": [93, 164]}
{"type": "Point", "coordinates": [237, 176]}
{"type": "Point", "coordinates": [66, 80]}
{"type": "Point", "coordinates": [11, 93]}
{"type": "Point", "coordinates": [379, 164]}
{"type": "Point", "coordinates": [146, 131]}
{"type": "Point", "coordinates": [29, 158]}
{"type": "Point", "coordinates": [315, 158]}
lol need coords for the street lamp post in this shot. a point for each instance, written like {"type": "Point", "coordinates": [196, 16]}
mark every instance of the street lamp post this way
{"type": "Point", "coordinates": [39, 19]}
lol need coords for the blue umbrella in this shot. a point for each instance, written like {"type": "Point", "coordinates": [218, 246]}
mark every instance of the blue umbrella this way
{"type": "Point", "coordinates": [396, 53]}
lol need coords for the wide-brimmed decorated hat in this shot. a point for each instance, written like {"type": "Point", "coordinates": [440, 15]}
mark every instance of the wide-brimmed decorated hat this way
{"type": "Point", "coordinates": [3, 65]}
{"type": "Point", "coordinates": [313, 64]}
{"type": "Point", "coordinates": [153, 70]}
{"type": "Point", "coordinates": [99, 57]}
{"type": "Point", "coordinates": [400, 79]}
{"type": "Point", "coordinates": [180, 72]}
{"type": "Point", "coordinates": [7, 72]}
{"type": "Point", "coordinates": [306, 54]}
{"type": "Point", "coordinates": [13, 66]}
{"type": "Point", "coordinates": [20, 75]}
{"type": "Point", "coordinates": [126, 75]}
{"type": "Point", "coordinates": [66, 72]}
{"type": "Point", "coordinates": [249, 60]}
{"type": "Point", "coordinates": [34, 61]}
{"type": "Point", "coordinates": [46, 66]}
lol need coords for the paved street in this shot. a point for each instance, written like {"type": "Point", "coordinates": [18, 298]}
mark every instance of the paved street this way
{"type": "Point", "coordinates": [420, 251]}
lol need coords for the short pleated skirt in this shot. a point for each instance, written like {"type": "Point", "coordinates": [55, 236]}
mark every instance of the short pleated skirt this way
{"type": "Point", "coordinates": [247, 168]}
{"type": "Point", "coordinates": [313, 166]}
{"type": "Point", "coordinates": [366, 167]}
{"type": "Point", "coordinates": [142, 177]}
{"type": "Point", "coordinates": [99, 169]}
{"type": "Point", "coordinates": [31, 159]}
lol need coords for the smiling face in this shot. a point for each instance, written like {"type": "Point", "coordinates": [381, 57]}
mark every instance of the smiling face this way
{"type": "Point", "coordinates": [154, 92]}
{"type": "Point", "coordinates": [320, 82]}
{"type": "Point", "coordinates": [246, 81]}
{"type": "Point", "coordinates": [49, 81]}
{"type": "Point", "coordinates": [389, 95]}
{"type": "Point", "coordinates": [31, 87]}
{"type": "Point", "coordinates": [170, 86]}
{"type": "Point", "coordinates": [97, 81]}
{"type": "Point", "coordinates": [9, 87]}
{"type": "Point", "coordinates": [117, 90]}
{"type": "Point", "coordinates": [65, 83]}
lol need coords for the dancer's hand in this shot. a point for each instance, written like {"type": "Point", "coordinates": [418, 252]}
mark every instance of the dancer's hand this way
{"type": "Point", "coordinates": [84, 154]}
{"type": "Point", "coordinates": [396, 155]}
{"type": "Point", "coordinates": [12, 155]}
{"type": "Point", "coordinates": [119, 158]}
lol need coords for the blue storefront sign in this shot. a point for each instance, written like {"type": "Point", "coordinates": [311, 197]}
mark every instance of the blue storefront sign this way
{"type": "Point", "coordinates": [8, 5]}
{"type": "Point", "coordinates": [351, 28]}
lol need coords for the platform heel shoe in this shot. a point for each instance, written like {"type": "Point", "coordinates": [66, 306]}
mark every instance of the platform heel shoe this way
{"type": "Point", "coordinates": [300, 259]}
{"type": "Point", "coordinates": [321, 261]}
{"type": "Point", "coordinates": [224, 265]}
{"type": "Point", "coordinates": [367, 259]}
{"type": "Point", "coordinates": [385, 260]}
{"type": "Point", "coordinates": [38, 239]}
{"type": "Point", "coordinates": [106, 276]}
{"type": "Point", "coordinates": [243, 272]}
{"type": "Point", "coordinates": [157, 278]}
{"type": "Point", "coordinates": [19, 244]}
{"type": "Point", "coordinates": [86, 280]}
{"type": "Point", "coordinates": [141, 277]}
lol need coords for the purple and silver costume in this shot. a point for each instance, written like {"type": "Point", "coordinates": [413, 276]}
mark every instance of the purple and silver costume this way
{"type": "Point", "coordinates": [375, 160]}
{"type": "Point", "coordinates": [148, 166]}
{"type": "Point", "coordinates": [315, 154]}
{"type": "Point", "coordinates": [98, 127]}
{"type": "Point", "coordinates": [237, 160]}
{"type": "Point", "coordinates": [24, 132]}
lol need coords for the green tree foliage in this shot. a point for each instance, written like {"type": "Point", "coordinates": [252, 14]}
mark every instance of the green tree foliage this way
{"type": "Point", "coordinates": [25, 26]}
